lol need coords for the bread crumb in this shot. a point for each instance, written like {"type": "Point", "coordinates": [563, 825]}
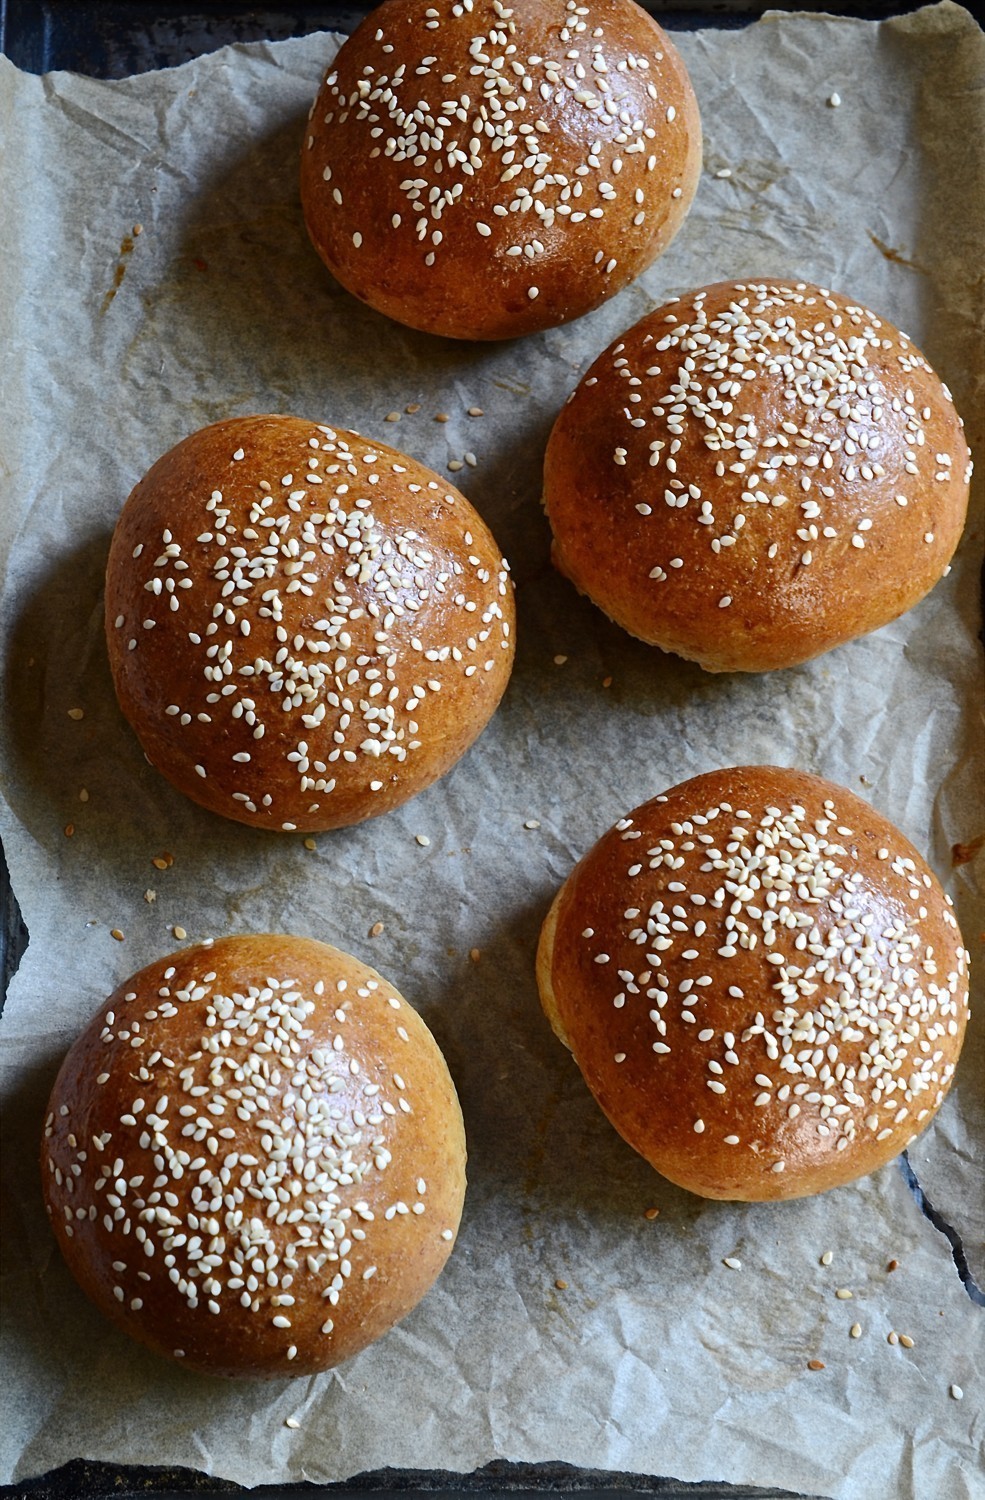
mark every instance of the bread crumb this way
{"type": "Point", "coordinates": [150, 897]}
{"type": "Point", "coordinates": [116, 933]}
{"type": "Point", "coordinates": [76, 713]}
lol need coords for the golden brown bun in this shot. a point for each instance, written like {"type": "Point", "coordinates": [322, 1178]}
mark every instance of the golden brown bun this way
{"type": "Point", "coordinates": [745, 1057]}
{"type": "Point", "coordinates": [305, 628]}
{"type": "Point", "coordinates": [482, 172]}
{"type": "Point", "coordinates": [254, 1158]}
{"type": "Point", "coordinates": [755, 473]}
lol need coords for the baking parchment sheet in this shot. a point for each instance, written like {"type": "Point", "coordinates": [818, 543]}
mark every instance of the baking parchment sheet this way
{"type": "Point", "coordinates": [567, 1326]}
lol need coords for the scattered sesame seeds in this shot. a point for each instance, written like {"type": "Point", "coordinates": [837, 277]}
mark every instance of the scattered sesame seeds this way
{"type": "Point", "coordinates": [531, 823]}
{"type": "Point", "coordinates": [843, 1294]}
{"type": "Point", "coordinates": [834, 100]}
{"type": "Point", "coordinates": [906, 1341]}
{"type": "Point", "coordinates": [733, 1262]}
{"type": "Point", "coordinates": [955, 1392]}
{"type": "Point", "coordinates": [292, 1422]}
{"type": "Point", "coordinates": [827, 1257]}
{"type": "Point", "coordinates": [422, 839]}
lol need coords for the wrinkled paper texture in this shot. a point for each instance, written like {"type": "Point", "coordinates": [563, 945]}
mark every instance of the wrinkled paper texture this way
{"type": "Point", "coordinates": [654, 1358]}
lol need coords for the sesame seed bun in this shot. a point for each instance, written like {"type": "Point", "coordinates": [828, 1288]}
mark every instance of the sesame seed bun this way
{"type": "Point", "coordinates": [254, 1159]}
{"type": "Point", "coordinates": [761, 981]}
{"type": "Point", "coordinates": [755, 473]}
{"type": "Point", "coordinates": [305, 628]}
{"type": "Point", "coordinates": [482, 171]}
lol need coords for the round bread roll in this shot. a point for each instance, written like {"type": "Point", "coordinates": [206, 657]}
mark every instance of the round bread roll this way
{"type": "Point", "coordinates": [756, 472]}
{"type": "Point", "coordinates": [305, 628]}
{"type": "Point", "coordinates": [254, 1159]}
{"type": "Point", "coordinates": [761, 981]}
{"type": "Point", "coordinates": [482, 171]}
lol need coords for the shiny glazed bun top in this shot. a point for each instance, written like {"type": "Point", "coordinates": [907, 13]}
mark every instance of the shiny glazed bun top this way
{"type": "Point", "coordinates": [761, 981]}
{"type": "Point", "coordinates": [254, 1158]}
{"type": "Point", "coordinates": [482, 170]}
{"type": "Point", "coordinates": [756, 472]}
{"type": "Point", "coordinates": [305, 627]}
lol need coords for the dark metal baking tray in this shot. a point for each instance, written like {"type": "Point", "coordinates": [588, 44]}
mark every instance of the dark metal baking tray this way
{"type": "Point", "coordinates": [113, 39]}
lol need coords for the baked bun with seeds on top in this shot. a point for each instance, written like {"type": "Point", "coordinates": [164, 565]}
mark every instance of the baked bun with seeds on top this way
{"type": "Point", "coordinates": [757, 472]}
{"type": "Point", "coordinates": [305, 628]}
{"type": "Point", "coordinates": [761, 981]}
{"type": "Point", "coordinates": [482, 171]}
{"type": "Point", "coordinates": [253, 1158]}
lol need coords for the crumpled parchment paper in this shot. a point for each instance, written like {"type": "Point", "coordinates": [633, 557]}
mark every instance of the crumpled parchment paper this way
{"type": "Point", "coordinates": [568, 1326]}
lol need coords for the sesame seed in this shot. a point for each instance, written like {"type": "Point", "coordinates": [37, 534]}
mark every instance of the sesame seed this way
{"type": "Point", "coordinates": [834, 100]}
{"type": "Point", "coordinates": [906, 1341]}
{"type": "Point", "coordinates": [531, 823]}
{"type": "Point", "coordinates": [292, 1422]}
{"type": "Point", "coordinates": [651, 1213]}
{"type": "Point", "coordinates": [562, 1286]}
{"type": "Point", "coordinates": [422, 839]}
{"type": "Point", "coordinates": [843, 1294]}
{"type": "Point", "coordinates": [815, 1364]}
{"type": "Point", "coordinates": [179, 933]}
{"type": "Point", "coordinates": [376, 929]}
{"type": "Point", "coordinates": [955, 1392]}
{"type": "Point", "coordinates": [733, 1263]}
{"type": "Point", "coordinates": [855, 1331]}
{"type": "Point", "coordinates": [117, 934]}
{"type": "Point", "coordinates": [533, 292]}
{"type": "Point", "coordinates": [827, 1257]}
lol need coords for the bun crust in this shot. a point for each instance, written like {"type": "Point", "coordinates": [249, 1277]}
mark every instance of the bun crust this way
{"type": "Point", "coordinates": [305, 628]}
{"type": "Point", "coordinates": [275, 1177]}
{"type": "Point", "coordinates": [483, 172]}
{"type": "Point", "coordinates": [761, 981]}
{"type": "Point", "coordinates": [755, 473]}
